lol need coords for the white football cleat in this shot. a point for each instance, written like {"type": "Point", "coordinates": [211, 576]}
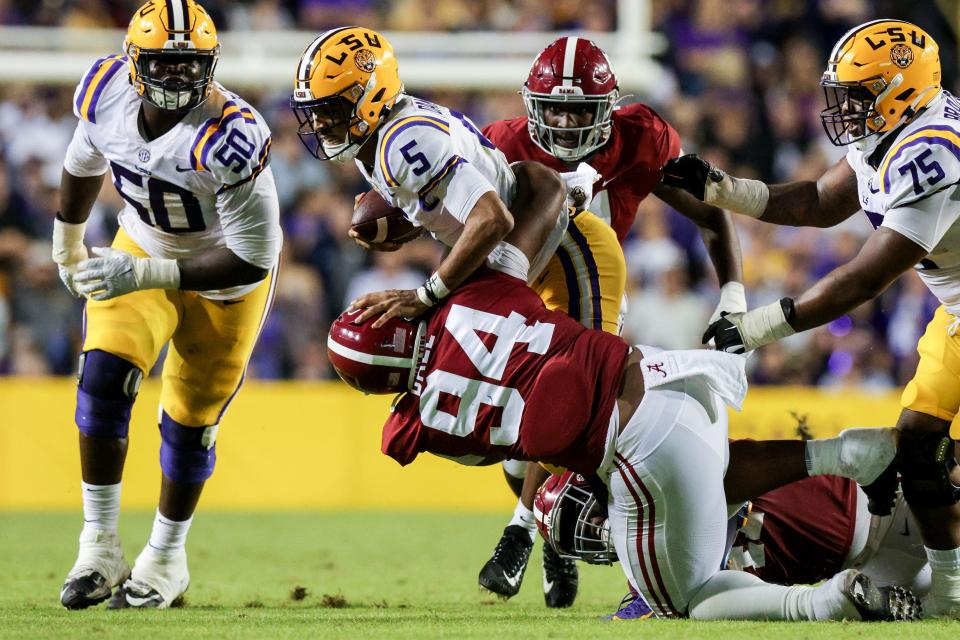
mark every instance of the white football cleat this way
{"type": "Point", "coordinates": [865, 453]}
{"type": "Point", "coordinates": [155, 583]}
{"type": "Point", "coordinates": [100, 567]}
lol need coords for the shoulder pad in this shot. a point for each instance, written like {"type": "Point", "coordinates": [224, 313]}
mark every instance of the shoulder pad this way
{"type": "Point", "coordinates": [921, 163]}
{"type": "Point", "coordinates": [234, 145]}
{"type": "Point", "coordinates": [90, 91]}
{"type": "Point", "coordinates": [410, 149]}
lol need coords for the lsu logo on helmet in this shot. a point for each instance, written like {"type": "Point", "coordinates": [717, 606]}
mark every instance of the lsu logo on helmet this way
{"type": "Point", "coordinates": [164, 33]}
{"type": "Point", "coordinates": [346, 83]}
{"type": "Point", "coordinates": [880, 74]}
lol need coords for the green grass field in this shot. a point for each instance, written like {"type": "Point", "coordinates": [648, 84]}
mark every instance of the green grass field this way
{"type": "Point", "coordinates": [364, 574]}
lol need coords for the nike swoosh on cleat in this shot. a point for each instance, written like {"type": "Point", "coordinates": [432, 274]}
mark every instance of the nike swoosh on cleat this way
{"type": "Point", "coordinates": [135, 601]}
{"type": "Point", "coordinates": [512, 581]}
{"type": "Point", "coordinates": [547, 585]}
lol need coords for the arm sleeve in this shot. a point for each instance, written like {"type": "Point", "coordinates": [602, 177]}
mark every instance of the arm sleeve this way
{"type": "Point", "coordinates": [82, 159]}
{"type": "Point", "coordinates": [250, 219]}
{"type": "Point", "coordinates": [419, 157]}
{"type": "Point", "coordinates": [922, 181]}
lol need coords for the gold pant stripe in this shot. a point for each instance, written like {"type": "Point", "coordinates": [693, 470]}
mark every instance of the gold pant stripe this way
{"type": "Point", "coordinates": [587, 275]}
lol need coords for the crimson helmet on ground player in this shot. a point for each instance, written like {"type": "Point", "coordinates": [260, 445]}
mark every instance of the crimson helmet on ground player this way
{"type": "Point", "coordinates": [572, 71]}
{"type": "Point", "coordinates": [572, 521]}
{"type": "Point", "coordinates": [373, 360]}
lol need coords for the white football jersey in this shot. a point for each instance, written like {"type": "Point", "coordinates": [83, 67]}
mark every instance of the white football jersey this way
{"type": "Point", "coordinates": [435, 164]}
{"type": "Point", "coordinates": [204, 184]}
{"type": "Point", "coordinates": [915, 190]}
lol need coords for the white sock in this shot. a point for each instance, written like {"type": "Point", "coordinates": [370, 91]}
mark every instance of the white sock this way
{"type": "Point", "coordinates": [830, 603]}
{"type": "Point", "coordinates": [168, 537]}
{"type": "Point", "coordinates": [524, 517]}
{"type": "Point", "coordinates": [945, 581]}
{"type": "Point", "coordinates": [101, 506]}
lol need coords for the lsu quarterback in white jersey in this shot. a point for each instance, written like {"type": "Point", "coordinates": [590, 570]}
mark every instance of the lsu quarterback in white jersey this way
{"type": "Point", "coordinates": [192, 268]}
{"type": "Point", "coordinates": [884, 100]}
{"type": "Point", "coordinates": [428, 160]}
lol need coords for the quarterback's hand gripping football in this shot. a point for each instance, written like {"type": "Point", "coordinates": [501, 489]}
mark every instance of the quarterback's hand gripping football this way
{"type": "Point", "coordinates": [115, 273]}
{"type": "Point", "coordinates": [706, 182]}
{"type": "Point", "coordinates": [742, 332]}
{"type": "Point", "coordinates": [69, 251]}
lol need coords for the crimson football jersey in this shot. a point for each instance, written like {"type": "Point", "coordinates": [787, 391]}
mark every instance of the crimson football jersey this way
{"type": "Point", "coordinates": [502, 377]}
{"type": "Point", "coordinates": [800, 533]}
{"type": "Point", "coordinates": [629, 163]}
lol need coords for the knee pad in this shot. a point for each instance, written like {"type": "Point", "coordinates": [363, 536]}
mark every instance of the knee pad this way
{"type": "Point", "coordinates": [187, 454]}
{"type": "Point", "coordinates": [926, 460]}
{"type": "Point", "coordinates": [107, 385]}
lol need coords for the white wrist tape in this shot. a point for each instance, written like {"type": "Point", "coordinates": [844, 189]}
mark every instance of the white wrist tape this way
{"type": "Point", "coordinates": [437, 286]}
{"type": "Point", "coordinates": [157, 273]}
{"type": "Point", "coordinates": [741, 195]}
{"type": "Point", "coordinates": [423, 297]}
{"type": "Point", "coordinates": [733, 298]}
{"type": "Point", "coordinates": [68, 245]}
{"type": "Point", "coordinates": [764, 325]}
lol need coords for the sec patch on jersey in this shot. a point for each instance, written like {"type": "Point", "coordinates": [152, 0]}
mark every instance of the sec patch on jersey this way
{"type": "Point", "coordinates": [375, 221]}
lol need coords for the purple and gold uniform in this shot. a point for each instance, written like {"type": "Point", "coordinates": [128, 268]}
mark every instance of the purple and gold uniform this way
{"type": "Point", "coordinates": [202, 185]}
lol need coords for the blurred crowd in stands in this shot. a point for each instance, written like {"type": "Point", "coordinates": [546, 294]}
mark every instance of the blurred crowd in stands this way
{"type": "Point", "coordinates": [743, 91]}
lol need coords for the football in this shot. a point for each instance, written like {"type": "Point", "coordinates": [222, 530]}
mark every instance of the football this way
{"type": "Point", "coordinates": [375, 221]}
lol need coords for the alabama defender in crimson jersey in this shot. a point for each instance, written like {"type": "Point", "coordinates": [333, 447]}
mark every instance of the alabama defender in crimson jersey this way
{"type": "Point", "coordinates": [490, 374]}
{"type": "Point", "coordinates": [571, 96]}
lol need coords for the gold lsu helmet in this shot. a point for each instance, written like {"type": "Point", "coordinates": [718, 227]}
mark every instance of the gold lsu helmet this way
{"type": "Point", "coordinates": [346, 76]}
{"type": "Point", "coordinates": [880, 74]}
{"type": "Point", "coordinates": [175, 33]}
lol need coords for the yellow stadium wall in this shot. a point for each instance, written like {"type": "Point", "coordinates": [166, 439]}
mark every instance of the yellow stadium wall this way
{"type": "Point", "coordinates": [291, 446]}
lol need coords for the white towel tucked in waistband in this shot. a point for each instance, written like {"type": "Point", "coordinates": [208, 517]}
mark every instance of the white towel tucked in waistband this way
{"type": "Point", "coordinates": [723, 373]}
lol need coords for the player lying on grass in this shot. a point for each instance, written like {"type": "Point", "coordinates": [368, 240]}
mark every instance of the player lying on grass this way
{"type": "Point", "coordinates": [803, 533]}
{"type": "Point", "coordinates": [192, 268]}
{"type": "Point", "coordinates": [426, 159]}
{"type": "Point", "coordinates": [884, 100]}
{"type": "Point", "coordinates": [491, 374]}
{"type": "Point", "coordinates": [573, 120]}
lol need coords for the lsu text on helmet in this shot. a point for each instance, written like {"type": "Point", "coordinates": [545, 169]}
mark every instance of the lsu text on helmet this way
{"type": "Point", "coordinates": [346, 83]}
{"type": "Point", "coordinates": [572, 521]}
{"type": "Point", "coordinates": [374, 360]}
{"type": "Point", "coordinates": [880, 74]}
{"type": "Point", "coordinates": [571, 73]}
{"type": "Point", "coordinates": [172, 51]}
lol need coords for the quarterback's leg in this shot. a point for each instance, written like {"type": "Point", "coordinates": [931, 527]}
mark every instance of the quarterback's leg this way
{"type": "Point", "coordinates": [203, 371]}
{"type": "Point", "coordinates": [122, 338]}
{"type": "Point", "coordinates": [539, 213]}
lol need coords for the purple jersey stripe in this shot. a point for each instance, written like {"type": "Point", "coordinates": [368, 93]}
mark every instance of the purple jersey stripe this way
{"type": "Point", "coordinates": [115, 65]}
{"type": "Point", "coordinates": [931, 139]}
{"type": "Point", "coordinates": [86, 82]}
{"type": "Point", "coordinates": [453, 162]}
{"type": "Point", "coordinates": [593, 273]}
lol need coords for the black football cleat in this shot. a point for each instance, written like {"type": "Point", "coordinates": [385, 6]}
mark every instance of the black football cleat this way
{"type": "Point", "coordinates": [560, 579]}
{"type": "Point", "coordinates": [85, 591]}
{"type": "Point", "coordinates": [882, 604]}
{"type": "Point", "coordinates": [503, 573]}
{"type": "Point", "coordinates": [135, 595]}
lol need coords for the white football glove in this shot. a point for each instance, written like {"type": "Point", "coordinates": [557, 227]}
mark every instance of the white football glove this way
{"type": "Point", "coordinates": [580, 186]}
{"type": "Point", "coordinates": [733, 299]}
{"type": "Point", "coordinates": [115, 273]}
{"type": "Point", "coordinates": [69, 251]}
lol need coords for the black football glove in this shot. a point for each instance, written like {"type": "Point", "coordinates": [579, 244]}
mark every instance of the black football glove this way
{"type": "Point", "coordinates": [725, 334]}
{"type": "Point", "coordinates": [690, 173]}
